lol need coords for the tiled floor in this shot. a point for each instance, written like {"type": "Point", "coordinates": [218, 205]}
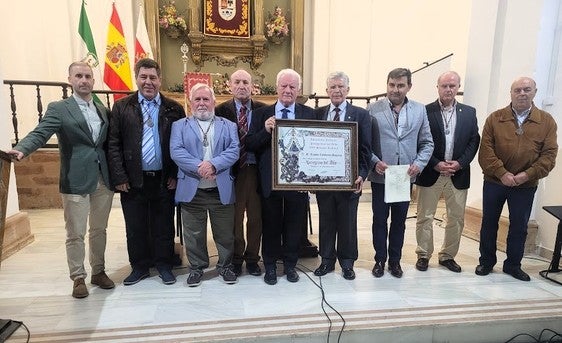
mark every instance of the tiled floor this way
{"type": "Point", "coordinates": [427, 306]}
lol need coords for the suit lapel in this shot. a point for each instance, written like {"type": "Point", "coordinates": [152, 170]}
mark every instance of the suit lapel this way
{"type": "Point", "coordinates": [219, 126]}
{"type": "Point", "coordinates": [76, 113]}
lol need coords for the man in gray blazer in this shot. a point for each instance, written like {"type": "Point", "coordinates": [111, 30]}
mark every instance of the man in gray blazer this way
{"type": "Point", "coordinates": [405, 139]}
{"type": "Point", "coordinates": [338, 210]}
{"type": "Point", "coordinates": [205, 147]}
{"type": "Point", "coordinates": [454, 129]}
{"type": "Point", "coordinates": [81, 128]}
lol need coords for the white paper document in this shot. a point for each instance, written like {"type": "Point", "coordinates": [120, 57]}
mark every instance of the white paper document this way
{"type": "Point", "coordinates": [396, 184]}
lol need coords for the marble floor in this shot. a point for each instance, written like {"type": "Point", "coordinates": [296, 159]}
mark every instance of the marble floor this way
{"type": "Point", "coordinates": [432, 306]}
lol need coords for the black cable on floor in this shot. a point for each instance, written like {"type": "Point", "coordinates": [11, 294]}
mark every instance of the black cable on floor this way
{"type": "Point", "coordinates": [324, 301]}
{"type": "Point", "coordinates": [540, 338]}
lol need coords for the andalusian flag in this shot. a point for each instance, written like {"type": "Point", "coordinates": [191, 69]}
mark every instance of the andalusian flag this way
{"type": "Point", "coordinates": [142, 43]}
{"type": "Point", "coordinates": [88, 54]}
{"type": "Point", "coordinates": [117, 72]}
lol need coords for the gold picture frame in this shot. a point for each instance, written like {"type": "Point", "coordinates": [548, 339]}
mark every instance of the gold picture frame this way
{"type": "Point", "coordinates": [314, 155]}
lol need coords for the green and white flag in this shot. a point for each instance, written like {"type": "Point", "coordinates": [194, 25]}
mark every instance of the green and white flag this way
{"type": "Point", "coordinates": [84, 30]}
{"type": "Point", "coordinates": [89, 54]}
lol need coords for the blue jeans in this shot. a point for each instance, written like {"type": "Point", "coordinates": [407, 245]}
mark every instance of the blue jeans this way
{"type": "Point", "coordinates": [398, 213]}
{"type": "Point", "coordinates": [519, 204]}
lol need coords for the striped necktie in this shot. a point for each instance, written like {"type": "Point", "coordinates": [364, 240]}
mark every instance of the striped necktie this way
{"type": "Point", "coordinates": [242, 131]}
{"type": "Point", "coordinates": [337, 114]}
{"type": "Point", "coordinates": [148, 149]}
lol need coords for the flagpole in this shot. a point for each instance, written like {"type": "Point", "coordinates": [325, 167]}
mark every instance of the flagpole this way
{"type": "Point", "coordinates": [184, 50]}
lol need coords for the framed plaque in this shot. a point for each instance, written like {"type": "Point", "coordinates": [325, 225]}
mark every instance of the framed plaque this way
{"type": "Point", "coordinates": [314, 155]}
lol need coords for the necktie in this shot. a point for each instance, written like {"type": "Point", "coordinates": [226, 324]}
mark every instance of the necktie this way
{"type": "Point", "coordinates": [242, 131]}
{"type": "Point", "coordinates": [148, 150]}
{"type": "Point", "coordinates": [337, 114]}
{"type": "Point", "coordinates": [285, 111]}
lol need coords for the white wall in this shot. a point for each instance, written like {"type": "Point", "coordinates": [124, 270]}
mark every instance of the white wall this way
{"type": "Point", "coordinates": [368, 38]}
{"type": "Point", "coordinates": [509, 39]}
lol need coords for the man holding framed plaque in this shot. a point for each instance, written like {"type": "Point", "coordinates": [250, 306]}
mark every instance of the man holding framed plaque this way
{"type": "Point", "coordinates": [283, 212]}
{"type": "Point", "coordinates": [338, 209]}
{"type": "Point", "coordinates": [405, 148]}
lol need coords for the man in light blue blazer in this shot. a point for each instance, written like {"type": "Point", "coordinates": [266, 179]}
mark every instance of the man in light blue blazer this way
{"type": "Point", "coordinates": [81, 128]}
{"type": "Point", "coordinates": [205, 147]}
{"type": "Point", "coordinates": [404, 139]}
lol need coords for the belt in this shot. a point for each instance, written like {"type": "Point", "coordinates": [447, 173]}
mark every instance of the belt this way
{"type": "Point", "coordinates": [151, 173]}
{"type": "Point", "coordinates": [211, 189]}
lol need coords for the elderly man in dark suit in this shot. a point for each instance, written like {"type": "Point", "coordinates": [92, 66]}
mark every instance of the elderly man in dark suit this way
{"type": "Point", "coordinates": [239, 110]}
{"type": "Point", "coordinates": [81, 128]}
{"type": "Point", "coordinates": [283, 212]}
{"type": "Point", "coordinates": [338, 210]}
{"type": "Point", "coordinates": [454, 129]}
{"type": "Point", "coordinates": [144, 173]}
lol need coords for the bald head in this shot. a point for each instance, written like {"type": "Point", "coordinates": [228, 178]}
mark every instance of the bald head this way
{"type": "Point", "coordinates": [241, 85]}
{"type": "Point", "coordinates": [448, 85]}
{"type": "Point", "coordinates": [523, 91]}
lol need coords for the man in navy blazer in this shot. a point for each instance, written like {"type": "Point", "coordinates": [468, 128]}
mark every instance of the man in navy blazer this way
{"type": "Point", "coordinates": [338, 210]}
{"type": "Point", "coordinates": [81, 127]}
{"type": "Point", "coordinates": [454, 129]}
{"type": "Point", "coordinates": [239, 110]}
{"type": "Point", "coordinates": [283, 212]}
{"type": "Point", "coordinates": [205, 147]}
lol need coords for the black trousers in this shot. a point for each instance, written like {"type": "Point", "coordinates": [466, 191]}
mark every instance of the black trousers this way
{"type": "Point", "coordinates": [149, 222]}
{"type": "Point", "coordinates": [283, 218]}
{"type": "Point", "coordinates": [338, 227]}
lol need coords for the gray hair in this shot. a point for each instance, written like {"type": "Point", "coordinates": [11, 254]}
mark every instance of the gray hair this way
{"type": "Point", "coordinates": [199, 86]}
{"type": "Point", "coordinates": [291, 72]}
{"type": "Point", "coordinates": [338, 75]}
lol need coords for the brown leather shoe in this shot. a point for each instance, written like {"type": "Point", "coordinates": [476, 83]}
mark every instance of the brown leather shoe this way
{"type": "Point", "coordinates": [102, 280]}
{"type": "Point", "coordinates": [79, 290]}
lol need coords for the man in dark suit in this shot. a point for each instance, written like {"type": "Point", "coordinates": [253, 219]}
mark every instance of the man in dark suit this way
{"type": "Point", "coordinates": [283, 212]}
{"type": "Point", "coordinates": [455, 136]}
{"type": "Point", "coordinates": [338, 210]}
{"type": "Point", "coordinates": [143, 171]}
{"type": "Point", "coordinates": [81, 128]}
{"type": "Point", "coordinates": [239, 110]}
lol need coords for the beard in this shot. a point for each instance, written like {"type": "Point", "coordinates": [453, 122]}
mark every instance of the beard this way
{"type": "Point", "coordinates": [204, 115]}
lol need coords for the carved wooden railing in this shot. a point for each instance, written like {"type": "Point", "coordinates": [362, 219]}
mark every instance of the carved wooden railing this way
{"type": "Point", "coordinates": [66, 90]}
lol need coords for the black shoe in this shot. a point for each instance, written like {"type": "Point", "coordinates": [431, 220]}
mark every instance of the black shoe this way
{"type": "Point", "coordinates": [253, 269]}
{"type": "Point", "coordinates": [270, 276]}
{"type": "Point", "coordinates": [292, 275]}
{"type": "Point", "coordinates": [323, 269]}
{"type": "Point", "coordinates": [167, 276]}
{"type": "Point", "coordinates": [237, 269]}
{"type": "Point", "coordinates": [136, 275]}
{"type": "Point", "coordinates": [517, 273]}
{"type": "Point", "coordinates": [194, 278]}
{"type": "Point", "coordinates": [422, 264]}
{"type": "Point", "coordinates": [228, 276]}
{"type": "Point", "coordinates": [451, 265]}
{"type": "Point", "coordinates": [395, 269]}
{"type": "Point", "coordinates": [378, 269]}
{"type": "Point", "coordinates": [348, 273]}
{"type": "Point", "coordinates": [483, 270]}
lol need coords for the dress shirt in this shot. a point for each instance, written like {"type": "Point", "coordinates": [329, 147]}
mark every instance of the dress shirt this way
{"type": "Point", "coordinates": [279, 107]}
{"type": "Point", "coordinates": [342, 108]}
{"type": "Point", "coordinates": [157, 164]}
{"type": "Point", "coordinates": [91, 115]}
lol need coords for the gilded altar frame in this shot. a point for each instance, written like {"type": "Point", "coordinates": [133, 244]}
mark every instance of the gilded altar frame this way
{"type": "Point", "coordinates": [229, 51]}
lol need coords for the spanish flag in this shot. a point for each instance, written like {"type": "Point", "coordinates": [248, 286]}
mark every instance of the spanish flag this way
{"type": "Point", "coordinates": [117, 72]}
